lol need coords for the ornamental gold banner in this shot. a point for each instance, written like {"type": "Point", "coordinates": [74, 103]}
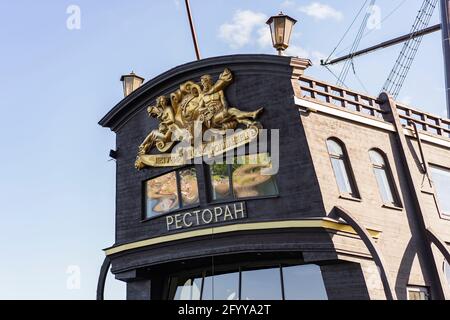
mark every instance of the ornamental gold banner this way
{"type": "Point", "coordinates": [184, 155]}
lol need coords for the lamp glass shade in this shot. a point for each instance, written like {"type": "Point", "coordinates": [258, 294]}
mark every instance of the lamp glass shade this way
{"type": "Point", "coordinates": [281, 29]}
{"type": "Point", "coordinates": [289, 25]}
{"type": "Point", "coordinates": [131, 82]}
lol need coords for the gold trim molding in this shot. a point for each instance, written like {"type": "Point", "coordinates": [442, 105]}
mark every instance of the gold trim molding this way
{"type": "Point", "coordinates": [322, 223]}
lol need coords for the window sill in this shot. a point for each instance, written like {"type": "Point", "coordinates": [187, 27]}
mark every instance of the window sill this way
{"type": "Point", "coordinates": [388, 206]}
{"type": "Point", "coordinates": [233, 200]}
{"type": "Point", "coordinates": [350, 198]}
{"type": "Point", "coordinates": [170, 213]}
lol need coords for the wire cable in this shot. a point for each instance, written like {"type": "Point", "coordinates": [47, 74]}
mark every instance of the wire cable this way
{"type": "Point", "coordinates": [360, 81]}
{"type": "Point", "coordinates": [347, 31]}
{"type": "Point", "coordinates": [348, 64]}
{"type": "Point", "coordinates": [372, 30]}
{"type": "Point", "coordinates": [334, 75]}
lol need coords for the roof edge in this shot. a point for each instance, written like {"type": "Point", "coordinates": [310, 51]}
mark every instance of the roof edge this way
{"type": "Point", "coordinates": [117, 113]}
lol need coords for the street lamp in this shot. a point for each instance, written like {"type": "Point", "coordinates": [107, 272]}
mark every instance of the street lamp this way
{"type": "Point", "coordinates": [131, 82]}
{"type": "Point", "coordinates": [281, 29]}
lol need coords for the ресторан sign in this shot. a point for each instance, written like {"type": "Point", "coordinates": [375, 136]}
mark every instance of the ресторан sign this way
{"type": "Point", "coordinates": [228, 212]}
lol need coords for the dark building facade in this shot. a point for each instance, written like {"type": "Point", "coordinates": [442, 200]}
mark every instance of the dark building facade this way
{"type": "Point", "coordinates": [356, 210]}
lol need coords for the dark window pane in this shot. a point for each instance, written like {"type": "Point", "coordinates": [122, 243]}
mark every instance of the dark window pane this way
{"type": "Point", "coordinates": [261, 285]}
{"type": "Point", "coordinates": [161, 195]}
{"type": "Point", "coordinates": [189, 187]}
{"type": "Point", "coordinates": [220, 181]}
{"type": "Point", "coordinates": [304, 283]}
{"type": "Point", "coordinates": [225, 287]}
{"type": "Point", "coordinates": [441, 181]}
{"type": "Point", "coordinates": [188, 289]}
{"type": "Point", "coordinates": [252, 177]}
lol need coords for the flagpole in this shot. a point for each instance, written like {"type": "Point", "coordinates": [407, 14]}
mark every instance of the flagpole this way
{"type": "Point", "coordinates": [194, 34]}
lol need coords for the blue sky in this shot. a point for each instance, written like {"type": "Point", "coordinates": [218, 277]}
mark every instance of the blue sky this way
{"type": "Point", "coordinates": [56, 183]}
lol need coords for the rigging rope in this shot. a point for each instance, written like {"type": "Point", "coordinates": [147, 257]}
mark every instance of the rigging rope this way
{"type": "Point", "coordinates": [334, 75]}
{"type": "Point", "coordinates": [347, 31]}
{"type": "Point", "coordinates": [349, 63]}
{"type": "Point", "coordinates": [361, 83]}
{"type": "Point", "coordinates": [372, 30]}
{"type": "Point", "coordinates": [404, 61]}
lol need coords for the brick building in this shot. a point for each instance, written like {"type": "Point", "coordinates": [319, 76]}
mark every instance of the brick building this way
{"type": "Point", "coordinates": [359, 208]}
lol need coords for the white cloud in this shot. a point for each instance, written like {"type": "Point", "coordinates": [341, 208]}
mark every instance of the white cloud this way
{"type": "Point", "coordinates": [248, 28]}
{"type": "Point", "coordinates": [297, 51]}
{"type": "Point", "coordinates": [321, 11]}
{"type": "Point", "coordinates": [241, 31]}
{"type": "Point", "coordinates": [264, 38]}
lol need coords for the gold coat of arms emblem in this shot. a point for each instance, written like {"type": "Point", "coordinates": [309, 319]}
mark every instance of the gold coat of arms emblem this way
{"type": "Point", "coordinates": [202, 106]}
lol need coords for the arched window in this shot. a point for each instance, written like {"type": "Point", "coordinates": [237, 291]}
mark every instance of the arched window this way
{"type": "Point", "coordinates": [384, 178]}
{"type": "Point", "coordinates": [341, 168]}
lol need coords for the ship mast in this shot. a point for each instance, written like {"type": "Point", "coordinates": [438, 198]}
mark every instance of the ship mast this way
{"type": "Point", "coordinates": [413, 37]}
{"type": "Point", "coordinates": [445, 13]}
